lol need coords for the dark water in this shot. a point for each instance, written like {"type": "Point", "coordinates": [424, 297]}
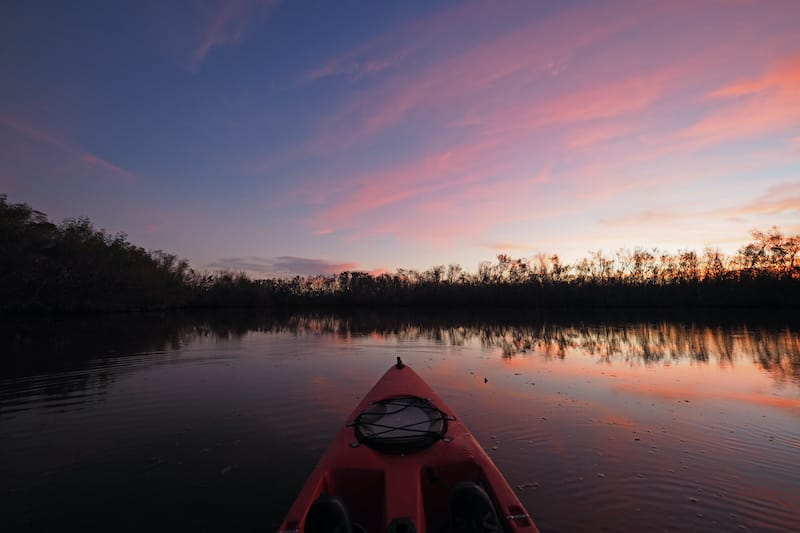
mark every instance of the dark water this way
{"type": "Point", "coordinates": [212, 422]}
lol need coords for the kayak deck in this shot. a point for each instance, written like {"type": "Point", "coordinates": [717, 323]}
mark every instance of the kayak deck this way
{"type": "Point", "coordinates": [380, 483]}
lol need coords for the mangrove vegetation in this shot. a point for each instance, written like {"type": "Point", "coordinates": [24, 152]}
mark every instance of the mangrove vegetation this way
{"type": "Point", "coordinates": [72, 266]}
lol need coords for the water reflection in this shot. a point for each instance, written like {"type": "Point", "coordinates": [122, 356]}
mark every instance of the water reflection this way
{"type": "Point", "coordinates": [58, 361]}
{"type": "Point", "coordinates": [678, 414]}
{"type": "Point", "coordinates": [46, 346]}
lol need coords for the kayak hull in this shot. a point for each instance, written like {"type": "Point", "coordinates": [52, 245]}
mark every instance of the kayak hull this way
{"type": "Point", "coordinates": [378, 488]}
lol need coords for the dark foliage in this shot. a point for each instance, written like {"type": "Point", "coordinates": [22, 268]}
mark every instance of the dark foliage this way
{"type": "Point", "coordinates": [74, 267]}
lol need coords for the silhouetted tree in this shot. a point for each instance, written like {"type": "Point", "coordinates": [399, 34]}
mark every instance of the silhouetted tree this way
{"type": "Point", "coordinates": [73, 266]}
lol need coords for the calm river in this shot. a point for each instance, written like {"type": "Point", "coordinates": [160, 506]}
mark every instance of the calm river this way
{"type": "Point", "coordinates": [211, 422]}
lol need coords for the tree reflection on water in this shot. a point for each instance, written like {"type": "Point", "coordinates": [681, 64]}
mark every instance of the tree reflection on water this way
{"type": "Point", "coordinates": [211, 421]}
{"type": "Point", "coordinates": [47, 345]}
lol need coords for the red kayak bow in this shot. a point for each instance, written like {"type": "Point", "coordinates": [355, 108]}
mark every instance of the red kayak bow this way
{"type": "Point", "coordinates": [395, 464]}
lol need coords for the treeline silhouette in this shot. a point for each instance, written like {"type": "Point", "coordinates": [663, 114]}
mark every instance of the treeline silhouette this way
{"type": "Point", "coordinates": [74, 267]}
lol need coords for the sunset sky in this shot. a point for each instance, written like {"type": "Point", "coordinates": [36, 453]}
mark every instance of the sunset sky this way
{"type": "Point", "coordinates": [300, 137]}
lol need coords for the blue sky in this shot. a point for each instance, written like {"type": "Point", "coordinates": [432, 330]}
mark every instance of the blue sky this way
{"type": "Point", "coordinates": [298, 138]}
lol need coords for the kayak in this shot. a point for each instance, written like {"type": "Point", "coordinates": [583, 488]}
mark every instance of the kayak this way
{"type": "Point", "coordinates": [403, 463]}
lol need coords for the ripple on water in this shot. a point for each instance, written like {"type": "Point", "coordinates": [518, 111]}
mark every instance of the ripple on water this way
{"type": "Point", "coordinates": [222, 419]}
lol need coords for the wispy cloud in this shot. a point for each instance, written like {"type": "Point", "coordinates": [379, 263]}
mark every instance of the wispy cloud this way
{"type": "Point", "coordinates": [647, 216]}
{"type": "Point", "coordinates": [393, 47]}
{"type": "Point", "coordinates": [484, 77]}
{"type": "Point", "coordinates": [754, 107]}
{"type": "Point", "coordinates": [481, 169]}
{"type": "Point", "coordinates": [32, 132]}
{"type": "Point", "coordinates": [73, 152]}
{"type": "Point", "coordinates": [777, 199]}
{"type": "Point", "coordinates": [561, 91]}
{"type": "Point", "coordinates": [227, 23]}
{"type": "Point", "coordinates": [506, 246]}
{"type": "Point", "coordinates": [357, 67]}
{"type": "Point", "coordinates": [104, 165]}
{"type": "Point", "coordinates": [281, 266]}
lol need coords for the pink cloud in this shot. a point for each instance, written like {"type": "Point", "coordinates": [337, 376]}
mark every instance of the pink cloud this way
{"type": "Point", "coordinates": [74, 152]}
{"type": "Point", "coordinates": [612, 100]}
{"type": "Point", "coordinates": [463, 218]}
{"type": "Point", "coordinates": [507, 247]}
{"type": "Point", "coordinates": [228, 24]}
{"type": "Point", "coordinates": [521, 56]}
{"type": "Point", "coordinates": [479, 79]}
{"type": "Point", "coordinates": [392, 48]}
{"type": "Point", "coordinates": [431, 175]}
{"type": "Point", "coordinates": [564, 92]}
{"type": "Point", "coordinates": [465, 171]}
{"type": "Point", "coordinates": [648, 216]}
{"type": "Point", "coordinates": [358, 68]}
{"type": "Point", "coordinates": [111, 168]}
{"type": "Point", "coordinates": [765, 105]}
{"type": "Point", "coordinates": [470, 88]}
{"type": "Point", "coordinates": [784, 76]}
{"type": "Point", "coordinates": [471, 171]}
{"type": "Point", "coordinates": [32, 132]}
{"type": "Point", "coordinates": [586, 136]}
{"type": "Point", "coordinates": [777, 199]}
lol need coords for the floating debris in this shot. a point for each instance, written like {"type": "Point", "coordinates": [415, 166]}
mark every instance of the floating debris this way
{"type": "Point", "coordinates": [601, 475]}
{"type": "Point", "coordinates": [226, 470]}
{"type": "Point", "coordinates": [528, 485]}
{"type": "Point", "coordinates": [154, 462]}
